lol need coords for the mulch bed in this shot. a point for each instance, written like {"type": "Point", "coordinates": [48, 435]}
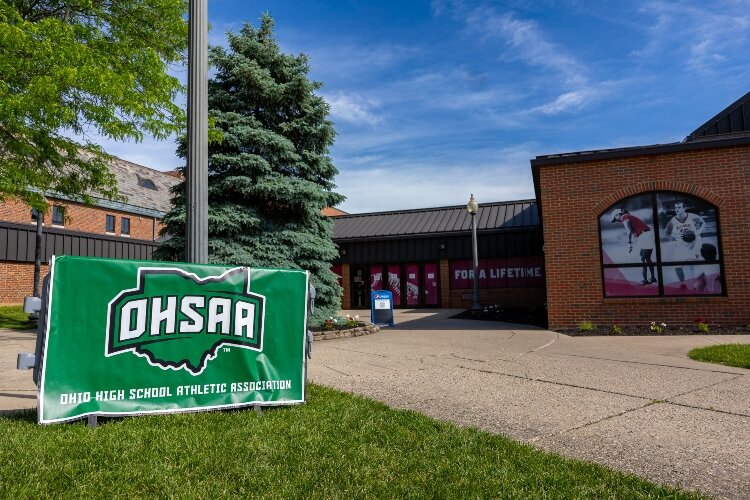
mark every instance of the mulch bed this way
{"type": "Point", "coordinates": [344, 332]}
{"type": "Point", "coordinates": [537, 316]}
{"type": "Point", "coordinates": [645, 331]}
{"type": "Point", "coordinates": [341, 325]}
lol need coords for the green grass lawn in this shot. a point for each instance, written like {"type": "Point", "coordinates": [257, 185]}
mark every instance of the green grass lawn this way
{"type": "Point", "coordinates": [724, 354]}
{"type": "Point", "coordinates": [14, 317]}
{"type": "Point", "coordinates": [335, 446]}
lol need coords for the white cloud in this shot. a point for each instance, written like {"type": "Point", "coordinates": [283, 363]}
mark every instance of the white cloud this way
{"type": "Point", "coordinates": [563, 75]}
{"type": "Point", "coordinates": [527, 43]}
{"type": "Point", "coordinates": [401, 182]}
{"type": "Point", "coordinates": [703, 38]}
{"type": "Point", "coordinates": [352, 108]}
{"type": "Point", "coordinates": [569, 101]}
{"type": "Point", "coordinates": [353, 61]}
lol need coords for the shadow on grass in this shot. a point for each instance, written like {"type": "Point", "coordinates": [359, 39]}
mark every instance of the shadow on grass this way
{"type": "Point", "coordinates": [14, 318]}
{"type": "Point", "coordinates": [27, 415]}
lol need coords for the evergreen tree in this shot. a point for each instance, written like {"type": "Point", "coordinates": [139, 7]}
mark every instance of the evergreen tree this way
{"type": "Point", "coordinates": [270, 175]}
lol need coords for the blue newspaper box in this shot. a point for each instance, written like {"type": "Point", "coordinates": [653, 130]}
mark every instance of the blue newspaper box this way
{"type": "Point", "coordinates": [382, 308]}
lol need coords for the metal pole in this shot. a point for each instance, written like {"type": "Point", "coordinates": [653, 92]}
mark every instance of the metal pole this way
{"type": "Point", "coordinates": [477, 306]}
{"type": "Point", "coordinates": [38, 252]}
{"type": "Point", "coordinates": [196, 224]}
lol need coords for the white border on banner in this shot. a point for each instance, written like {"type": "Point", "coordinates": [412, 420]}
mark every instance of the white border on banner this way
{"type": "Point", "coordinates": [304, 337]}
{"type": "Point", "coordinates": [192, 409]}
{"type": "Point", "coordinates": [43, 360]}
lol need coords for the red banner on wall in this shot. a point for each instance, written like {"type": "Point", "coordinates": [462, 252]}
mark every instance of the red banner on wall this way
{"type": "Point", "coordinates": [511, 272]}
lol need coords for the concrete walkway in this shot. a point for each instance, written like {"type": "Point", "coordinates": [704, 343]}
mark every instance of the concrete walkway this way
{"type": "Point", "coordinates": [636, 404]}
{"type": "Point", "coordinates": [17, 389]}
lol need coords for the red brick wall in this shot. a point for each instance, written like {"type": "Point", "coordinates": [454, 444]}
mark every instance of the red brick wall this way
{"type": "Point", "coordinates": [573, 196]}
{"type": "Point", "coordinates": [84, 219]}
{"type": "Point", "coordinates": [17, 281]}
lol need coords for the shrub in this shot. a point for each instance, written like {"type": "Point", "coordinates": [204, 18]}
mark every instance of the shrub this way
{"type": "Point", "coordinates": [658, 327]}
{"type": "Point", "coordinates": [352, 322]}
{"type": "Point", "coordinates": [586, 326]}
{"type": "Point", "coordinates": [701, 325]}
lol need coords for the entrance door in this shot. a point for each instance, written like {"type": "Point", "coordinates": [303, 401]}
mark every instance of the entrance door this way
{"type": "Point", "coordinates": [394, 283]}
{"type": "Point", "coordinates": [360, 289]}
{"type": "Point", "coordinates": [376, 278]}
{"type": "Point", "coordinates": [412, 285]}
{"type": "Point", "coordinates": [431, 289]}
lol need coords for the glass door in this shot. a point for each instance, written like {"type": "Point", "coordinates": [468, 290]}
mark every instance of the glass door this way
{"type": "Point", "coordinates": [412, 285]}
{"type": "Point", "coordinates": [431, 288]}
{"type": "Point", "coordinates": [394, 283]}
{"type": "Point", "coordinates": [360, 294]}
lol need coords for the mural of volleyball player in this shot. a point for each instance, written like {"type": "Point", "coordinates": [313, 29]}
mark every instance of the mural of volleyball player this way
{"type": "Point", "coordinates": [640, 236]}
{"type": "Point", "coordinates": [684, 230]}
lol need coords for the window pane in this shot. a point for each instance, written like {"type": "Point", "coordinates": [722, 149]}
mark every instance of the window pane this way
{"type": "Point", "coordinates": [57, 215]}
{"type": "Point", "coordinates": [629, 282]}
{"type": "Point", "coordinates": [687, 228]}
{"type": "Point", "coordinates": [125, 225]}
{"type": "Point", "coordinates": [699, 279]}
{"type": "Point", "coordinates": [627, 231]}
{"type": "Point", "coordinates": [110, 224]}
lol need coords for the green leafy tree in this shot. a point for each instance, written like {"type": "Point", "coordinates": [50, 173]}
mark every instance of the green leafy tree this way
{"type": "Point", "coordinates": [77, 67]}
{"type": "Point", "coordinates": [270, 175]}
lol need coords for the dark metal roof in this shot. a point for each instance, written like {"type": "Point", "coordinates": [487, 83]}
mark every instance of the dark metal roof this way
{"type": "Point", "coordinates": [720, 141]}
{"type": "Point", "coordinates": [734, 119]}
{"type": "Point", "coordinates": [429, 221]}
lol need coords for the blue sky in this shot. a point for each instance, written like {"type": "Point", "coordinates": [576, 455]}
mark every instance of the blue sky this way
{"type": "Point", "coordinates": [435, 100]}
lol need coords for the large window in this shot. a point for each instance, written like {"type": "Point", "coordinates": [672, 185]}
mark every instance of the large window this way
{"type": "Point", "coordinates": [58, 215]}
{"type": "Point", "coordinates": [109, 223]}
{"type": "Point", "coordinates": [660, 244]}
{"type": "Point", "coordinates": [125, 226]}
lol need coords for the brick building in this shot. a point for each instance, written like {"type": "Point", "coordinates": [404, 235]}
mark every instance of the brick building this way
{"type": "Point", "coordinates": [652, 233]}
{"type": "Point", "coordinates": [118, 229]}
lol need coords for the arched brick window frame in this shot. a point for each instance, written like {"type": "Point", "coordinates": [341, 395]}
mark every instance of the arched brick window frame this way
{"type": "Point", "coordinates": [660, 242]}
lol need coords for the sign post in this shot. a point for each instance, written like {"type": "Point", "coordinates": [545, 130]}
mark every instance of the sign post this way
{"type": "Point", "coordinates": [142, 337]}
{"type": "Point", "coordinates": [382, 308]}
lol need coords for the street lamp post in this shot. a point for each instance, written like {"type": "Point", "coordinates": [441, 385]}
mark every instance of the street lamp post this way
{"type": "Point", "coordinates": [473, 207]}
{"type": "Point", "coordinates": [196, 220]}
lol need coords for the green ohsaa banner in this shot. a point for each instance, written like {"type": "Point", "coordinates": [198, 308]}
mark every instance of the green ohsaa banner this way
{"type": "Point", "coordinates": [138, 337]}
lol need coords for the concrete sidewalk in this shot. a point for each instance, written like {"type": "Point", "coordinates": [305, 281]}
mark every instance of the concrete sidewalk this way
{"type": "Point", "coordinates": [636, 404]}
{"type": "Point", "coordinates": [17, 389]}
